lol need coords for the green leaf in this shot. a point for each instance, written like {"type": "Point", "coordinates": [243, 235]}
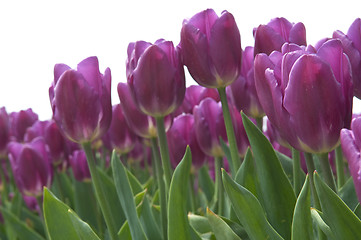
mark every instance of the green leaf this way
{"type": "Point", "coordinates": [248, 210]}
{"type": "Point", "coordinates": [135, 185]}
{"type": "Point", "coordinates": [126, 199]}
{"type": "Point", "coordinates": [205, 182]}
{"type": "Point", "coordinates": [357, 211]}
{"type": "Point", "coordinates": [220, 228]}
{"type": "Point", "coordinates": [199, 223]}
{"type": "Point", "coordinates": [149, 222]}
{"type": "Point", "coordinates": [62, 223]}
{"type": "Point", "coordinates": [342, 221]}
{"type": "Point", "coordinates": [348, 194]}
{"type": "Point", "coordinates": [316, 216]}
{"type": "Point", "coordinates": [287, 165]}
{"type": "Point", "coordinates": [178, 225]}
{"type": "Point", "coordinates": [19, 227]}
{"type": "Point", "coordinates": [276, 193]}
{"type": "Point", "coordinates": [302, 221]}
{"type": "Point", "coordinates": [245, 174]}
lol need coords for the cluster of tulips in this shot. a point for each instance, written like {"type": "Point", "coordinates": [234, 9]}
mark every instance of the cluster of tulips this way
{"type": "Point", "coordinates": [265, 147]}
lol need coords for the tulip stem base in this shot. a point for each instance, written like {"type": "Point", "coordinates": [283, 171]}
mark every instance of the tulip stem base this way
{"type": "Point", "coordinates": [235, 160]}
{"type": "Point", "coordinates": [340, 167]}
{"type": "Point", "coordinates": [311, 169]}
{"type": "Point", "coordinates": [327, 171]}
{"type": "Point", "coordinates": [99, 192]}
{"type": "Point", "coordinates": [160, 181]}
{"type": "Point", "coordinates": [296, 171]}
{"type": "Point", "coordinates": [164, 151]}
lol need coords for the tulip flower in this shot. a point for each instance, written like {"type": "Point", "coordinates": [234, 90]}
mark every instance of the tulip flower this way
{"type": "Point", "coordinates": [272, 36]}
{"type": "Point", "coordinates": [31, 166]}
{"type": "Point", "coordinates": [4, 131]}
{"type": "Point", "coordinates": [20, 121]}
{"type": "Point", "coordinates": [79, 165]}
{"type": "Point", "coordinates": [156, 77]}
{"type": "Point", "coordinates": [351, 145]}
{"type": "Point", "coordinates": [309, 97]}
{"type": "Point", "coordinates": [211, 48]}
{"type": "Point", "coordinates": [80, 100]}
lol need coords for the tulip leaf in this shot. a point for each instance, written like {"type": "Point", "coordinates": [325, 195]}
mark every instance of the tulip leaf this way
{"type": "Point", "coordinates": [342, 221]}
{"type": "Point", "coordinates": [149, 222]}
{"type": "Point", "coordinates": [220, 228]}
{"type": "Point", "coordinates": [316, 216]}
{"type": "Point", "coordinates": [287, 165]}
{"type": "Point", "coordinates": [126, 199]}
{"type": "Point", "coordinates": [245, 174]}
{"type": "Point", "coordinates": [206, 183]}
{"type": "Point", "coordinates": [19, 227]}
{"type": "Point", "coordinates": [302, 221]}
{"type": "Point", "coordinates": [357, 211]}
{"type": "Point", "coordinates": [178, 225]}
{"type": "Point", "coordinates": [199, 223]}
{"type": "Point", "coordinates": [276, 193]}
{"type": "Point", "coordinates": [135, 185]}
{"type": "Point", "coordinates": [62, 223]}
{"type": "Point", "coordinates": [249, 211]}
{"type": "Point", "coordinates": [348, 194]}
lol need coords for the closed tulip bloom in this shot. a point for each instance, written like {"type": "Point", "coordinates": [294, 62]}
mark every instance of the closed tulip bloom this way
{"type": "Point", "coordinates": [306, 95]}
{"type": "Point", "coordinates": [242, 92]}
{"type": "Point", "coordinates": [157, 82]}
{"type": "Point", "coordinates": [351, 145]}
{"type": "Point", "coordinates": [79, 165]}
{"type": "Point", "coordinates": [272, 36]}
{"type": "Point", "coordinates": [20, 121]}
{"type": "Point", "coordinates": [121, 137]}
{"type": "Point", "coordinates": [182, 134]}
{"type": "Point", "coordinates": [140, 123]}
{"type": "Point", "coordinates": [211, 48]}
{"type": "Point", "coordinates": [209, 127]}
{"type": "Point", "coordinates": [31, 166]}
{"type": "Point", "coordinates": [4, 131]}
{"type": "Point", "coordinates": [80, 100]}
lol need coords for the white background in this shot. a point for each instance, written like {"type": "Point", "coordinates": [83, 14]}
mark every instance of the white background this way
{"type": "Point", "coordinates": [35, 35]}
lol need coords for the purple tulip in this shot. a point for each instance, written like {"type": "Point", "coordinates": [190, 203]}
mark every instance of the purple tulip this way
{"type": "Point", "coordinates": [351, 145]}
{"type": "Point", "coordinates": [278, 31]}
{"type": "Point", "coordinates": [209, 127]}
{"type": "Point", "coordinates": [121, 137]}
{"type": "Point", "coordinates": [141, 124]}
{"type": "Point", "coordinates": [242, 92]}
{"type": "Point", "coordinates": [79, 165]}
{"type": "Point", "coordinates": [140, 153]}
{"type": "Point", "coordinates": [4, 131]}
{"type": "Point", "coordinates": [211, 48]}
{"type": "Point", "coordinates": [80, 100]}
{"type": "Point", "coordinates": [155, 77]}
{"type": "Point", "coordinates": [31, 166]}
{"type": "Point", "coordinates": [20, 121]}
{"type": "Point", "coordinates": [59, 147]}
{"type": "Point", "coordinates": [307, 95]}
{"type": "Point", "coordinates": [36, 130]}
{"type": "Point", "coordinates": [182, 134]}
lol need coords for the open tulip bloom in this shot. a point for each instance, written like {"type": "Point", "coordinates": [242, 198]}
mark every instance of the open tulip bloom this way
{"type": "Point", "coordinates": [265, 147]}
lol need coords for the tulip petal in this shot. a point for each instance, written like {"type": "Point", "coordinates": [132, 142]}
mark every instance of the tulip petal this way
{"type": "Point", "coordinates": [203, 21]}
{"type": "Point", "coordinates": [89, 68]}
{"type": "Point", "coordinates": [354, 33]}
{"type": "Point", "coordinates": [267, 40]}
{"type": "Point", "coordinates": [298, 34]}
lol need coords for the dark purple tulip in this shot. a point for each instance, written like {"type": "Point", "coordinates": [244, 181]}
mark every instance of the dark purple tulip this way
{"type": "Point", "coordinates": [351, 145]}
{"type": "Point", "coordinates": [209, 127]}
{"type": "Point", "coordinates": [31, 166]}
{"type": "Point", "coordinates": [36, 130]}
{"type": "Point", "coordinates": [141, 124]}
{"type": "Point", "coordinates": [307, 96]}
{"type": "Point", "coordinates": [240, 132]}
{"type": "Point", "coordinates": [79, 165]}
{"type": "Point", "coordinates": [182, 134]}
{"type": "Point", "coordinates": [211, 48]}
{"type": "Point", "coordinates": [271, 37]}
{"type": "Point", "coordinates": [193, 96]}
{"type": "Point", "coordinates": [140, 153]}
{"type": "Point", "coordinates": [59, 147]}
{"type": "Point", "coordinates": [4, 131]}
{"type": "Point", "coordinates": [20, 121]}
{"type": "Point", "coordinates": [121, 137]}
{"type": "Point", "coordinates": [157, 81]}
{"type": "Point", "coordinates": [80, 100]}
{"type": "Point", "coordinates": [242, 92]}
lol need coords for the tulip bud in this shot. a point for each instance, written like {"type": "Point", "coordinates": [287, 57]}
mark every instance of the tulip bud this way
{"type": "Point", "coordinates": [79, 165]}
{"type": "Point", "coordinates": [80, 100]}
{"type": "Point", "coordinates": [20, 121]}
{"type": "Point", "coordinates": [211, 48]}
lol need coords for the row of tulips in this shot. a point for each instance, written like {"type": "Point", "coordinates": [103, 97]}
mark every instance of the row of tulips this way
{"type": "Point", "coordinates": [197, 162]}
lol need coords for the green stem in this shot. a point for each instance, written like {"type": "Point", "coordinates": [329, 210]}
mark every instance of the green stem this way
{"type": "Point", "coordinates": [327, 171]}
{"type": "Point", "coordinates": [259, 122]}
{"type": "Point", "coordinates": [162, 194]}
{"type": "Point", "coordinates": [99, 191]}
{"type": "Point", "coordinates": [340, 167]}
{"type": "Point", "coordinates": [311, 169]}
{"type": "Point", "coordinates": [164, 152]}
{"type": "Point", "coordinates": [296, 171]}
{"type": "Point", "coordinates": [230, 131]}
{"type": "Point", "coordinates": [219, 192]}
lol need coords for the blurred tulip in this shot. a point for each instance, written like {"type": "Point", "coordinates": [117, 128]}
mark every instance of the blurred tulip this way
{"type": "Point", "coordinates": [278, 31]}
{"type": "Point", "coordinates": [20, 121]}
{"type": "Point", "coordinates": [79, 165]}
{"type": "Point", "coordinates": [155, 77]}
{"type": "Point", "coordinates": [31, 166]}
{"type": "Point", "coordinates": [80, 100]}
{"type": "Point", "coordinates": [211, 48]}
{"type": "Point", "coordinates": [4, 131]}
{"type": "Point", "coordinates": [307, 95]}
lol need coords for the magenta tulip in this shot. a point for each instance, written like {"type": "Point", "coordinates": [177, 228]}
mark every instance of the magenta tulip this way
{"type": "Point", "coordinates": [20, 121]}
{"type": "Point", "coordinates": [79, 165]}
{"type": "Point", "coordinates": [4, 131]}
